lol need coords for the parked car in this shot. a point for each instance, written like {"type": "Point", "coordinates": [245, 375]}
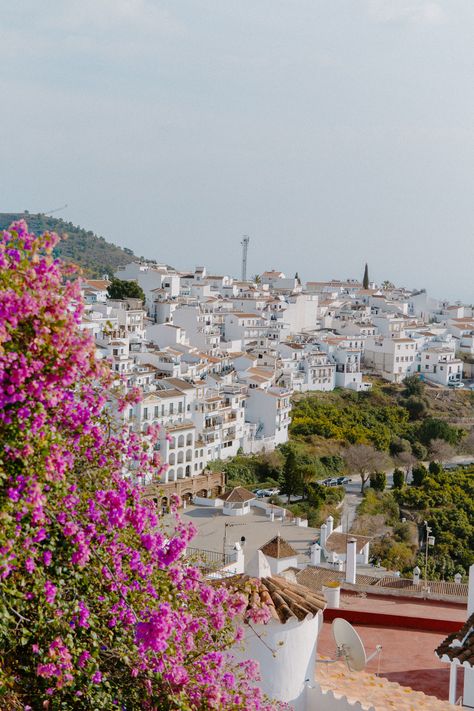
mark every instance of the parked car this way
{"type": "Point", "coordinates": [343, 480]}
{"type": "Point", "coordinates": [330, 482]}
{"type": "Point", "coordinates": [260, 493]}
{"type": "Point", "coordinates": [456, 384]}
{"type": "Point", "coordinates": [272, 492]}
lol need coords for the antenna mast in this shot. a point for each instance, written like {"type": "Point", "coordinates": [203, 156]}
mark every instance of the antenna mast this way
{"type": "Point", "coordinates": [245, 246]}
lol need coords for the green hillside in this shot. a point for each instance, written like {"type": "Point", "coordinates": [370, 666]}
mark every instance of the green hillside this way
{"type": "Point", "coordinates": [93, 254]}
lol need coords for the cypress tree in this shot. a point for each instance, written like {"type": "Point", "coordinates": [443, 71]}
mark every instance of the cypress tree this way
{"type": "Point", "coordinates": [365, 281]}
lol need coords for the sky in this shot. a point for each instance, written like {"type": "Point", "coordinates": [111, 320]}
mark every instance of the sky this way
{"type": "Point", "coordinates": [332, 132]}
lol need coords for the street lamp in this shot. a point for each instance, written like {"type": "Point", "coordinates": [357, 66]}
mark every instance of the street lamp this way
{"type": "Point", "coordinates": [429, 541]}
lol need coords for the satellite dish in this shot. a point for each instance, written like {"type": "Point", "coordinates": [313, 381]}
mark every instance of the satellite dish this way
{"type": "Point", "coordinates": [349, 644]}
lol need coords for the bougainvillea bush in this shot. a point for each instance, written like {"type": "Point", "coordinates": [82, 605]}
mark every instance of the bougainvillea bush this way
{"type": "Point", "coordinates": [98, 607]}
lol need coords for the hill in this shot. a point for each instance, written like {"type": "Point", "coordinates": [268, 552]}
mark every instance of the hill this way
{"type": "Point", "coordinates": [92, 253]}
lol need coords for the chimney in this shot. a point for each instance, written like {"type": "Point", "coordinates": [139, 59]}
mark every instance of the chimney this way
{"type": "Point", "coordinates": [330, 525]}
{"type": "Point", "coordinates": [351, 562]}
{"type": "Point", "coordinates": [323, 535]}
{"type": "Point", "coordinates": [470, 593]}
{"type": "Point", "coordinates": [416, 575]}
{"type": "Point", "coordinates": [315, 554]}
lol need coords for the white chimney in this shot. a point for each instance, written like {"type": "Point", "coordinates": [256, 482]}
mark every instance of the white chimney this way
{"type": "Point", "coordinates": [323, 536]}
{"type": "Point", "coordinates": [458, 578]}
{"type": "Point", "coordinates": [416, 575]}
{"type": "Point", "coordinates": [470, 592]}
{"type": "Point", "coordinates": [315, 554]}
{"type": "Point", "coordinates": [351, 561]}
{"type": "Point", "coordinates": [332, 593]}
{"type": "Point", "coordinates": [330, 525]}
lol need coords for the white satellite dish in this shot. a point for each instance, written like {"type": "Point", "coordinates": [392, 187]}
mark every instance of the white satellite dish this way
{"type": "Point", "coordinates": [350, 646]}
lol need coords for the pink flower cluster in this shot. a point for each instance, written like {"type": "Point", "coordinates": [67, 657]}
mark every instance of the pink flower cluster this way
{"type": "Point", "coordinates": [111, 613]}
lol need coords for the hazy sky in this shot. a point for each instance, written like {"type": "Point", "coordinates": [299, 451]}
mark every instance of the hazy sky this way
{"type": "Point", "coordinates": [332, 132]}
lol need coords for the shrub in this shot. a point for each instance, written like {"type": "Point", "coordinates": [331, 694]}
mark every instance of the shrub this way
{"type": "Point", "coordinates": [435, 468]}
{"type": "Point", "coordinates": [378, 481]}
{"type": "Point", "coordinates": [398, 479]}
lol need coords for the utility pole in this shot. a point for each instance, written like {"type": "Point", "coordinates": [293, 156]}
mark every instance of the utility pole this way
{"type": "Point", "coordinates": [429, 541]}
{"type": "Point", "coordinates": [245, 246]}
{"type": "Point", "coordinates": [224, 543]}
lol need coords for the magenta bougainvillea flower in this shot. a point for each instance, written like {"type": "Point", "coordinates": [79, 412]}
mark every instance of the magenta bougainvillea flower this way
{"type": "Point", "coordinates": [98, 606]}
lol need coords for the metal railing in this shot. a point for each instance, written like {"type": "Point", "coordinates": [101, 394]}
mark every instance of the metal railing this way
{"type": "Point", "coordinates": [209, 558]}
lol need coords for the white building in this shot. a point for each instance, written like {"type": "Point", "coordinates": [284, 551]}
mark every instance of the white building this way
{"type": "Point", "coordinates": [393, 358]}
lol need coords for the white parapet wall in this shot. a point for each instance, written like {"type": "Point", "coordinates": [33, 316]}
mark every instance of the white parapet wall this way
{"type": "Point", "coordinates": [203, 501]}
{"type": "Point", "coordinates": [287, 656]}
{"type": "Point", "coordinates": [318, 700]}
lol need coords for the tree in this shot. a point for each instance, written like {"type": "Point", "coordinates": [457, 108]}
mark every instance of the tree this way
{"type": "Point", "coordinates": [413, 386]}
{"type": "Point", "coordinates": [398, 478]}
{"type": "Point", "coordinates": [405, 460]}
{"type": "Point", "coordinates": [291, 482]}
{"type": "Point", "coordinates": [433, 428]}
{"type": "Point", "coordinates": [416, 406]}
{"type": "Point", "coordinates": [435, 468]}
{"type": "Point", "coordinates": [441, 451]}
{"type": "Point", "coordinates": [99, 608]}
{"type": "Point", "coordinates": [378, 481]}
{"type": "Point", "coordinates": [419, 474]}
{"type": "Point", "coordinates": [120, 289]}
{"type": "Point", "coordinates": [365, 280]}
{"type": "Point", "coordinates": [364, 460]}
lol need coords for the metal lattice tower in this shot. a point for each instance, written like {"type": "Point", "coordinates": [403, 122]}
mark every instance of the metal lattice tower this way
{"type": "Point", "coordinates": [245, 246]}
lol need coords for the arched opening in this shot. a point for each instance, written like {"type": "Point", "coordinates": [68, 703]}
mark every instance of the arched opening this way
{"type": "Point", "coordinates": [188, 470]}
{"type": "Point", "coordinates": [180, 457]}
{"type": "Point", "coordinates": [202, 493]}
{"type": "Point", "coordinates": [216, 491]}
{"type": "Point", "coordinates": [181, 441]}
{"type": "Point", "coordinates": [189, 440]}
{"type": "Point", "coordinates": [189, 455]}
{"type": "Point", "coordinates": [172, 459]}
{"type": "Point", "coordinates": [188, 497]}
{"type": "Point", "coordinates": [180, 473]}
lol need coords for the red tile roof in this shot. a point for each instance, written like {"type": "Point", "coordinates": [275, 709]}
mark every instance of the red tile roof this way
{"type": "Point", "coordinates": [459, 646]}
{"type": "Point", "coordinates": [278, 548]}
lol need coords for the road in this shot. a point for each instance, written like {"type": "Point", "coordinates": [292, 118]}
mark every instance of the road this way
{"type": "Point", "coordinates": [353, 495]}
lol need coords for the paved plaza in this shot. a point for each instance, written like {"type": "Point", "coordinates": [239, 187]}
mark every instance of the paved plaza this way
{"type": "Point", "coordinates": [255, 526]}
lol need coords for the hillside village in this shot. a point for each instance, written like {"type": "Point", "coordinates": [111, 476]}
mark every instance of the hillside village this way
{"type": "Point", "coordinates": [219, 359]}
{"type": "Point", "coordinates": [220, 362]}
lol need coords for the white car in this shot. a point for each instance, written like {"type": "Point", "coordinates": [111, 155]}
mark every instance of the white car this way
{"type": "Point", "coordinates": [456, 384]}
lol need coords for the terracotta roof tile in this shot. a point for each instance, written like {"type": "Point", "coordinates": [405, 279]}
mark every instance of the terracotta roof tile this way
{"type": "Point", "coordinates": [372, 691]}
{"type": "Point", "coordinates": [315, 577]}
{"type": "Point", "coordinates": [337, 542]}
{"type": "Point", "coordinates": [285, 600]}
{"type": "Point", "coordinates": [238, 495]}
{"type": "Point", "coordinates": [459, 646]}
{"type": "Point", "coordinates": [442, 587]}
{"type": "Point", "coordinates": [278, 548]}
